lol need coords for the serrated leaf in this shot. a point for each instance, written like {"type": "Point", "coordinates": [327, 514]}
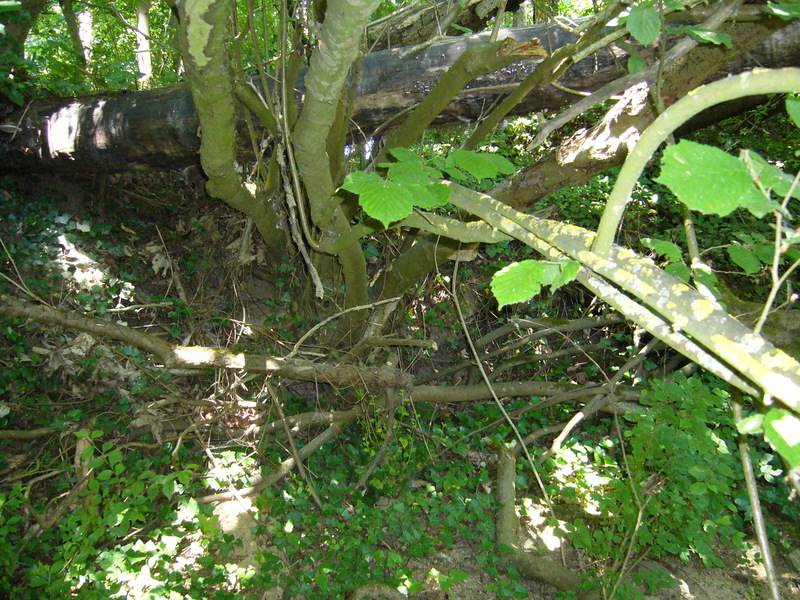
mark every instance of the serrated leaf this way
{"type": "Point", "coordinates": [504, 166]}
{"type": "Point", "coordinates": [437, 195]}
{"type": "Point", "coordinates": [671, 251]}
{"type": "Point", "coordinates": [644, 24]}
{"type": "Point", "coordinates": [359, 182]}
{"type": "Point", "coordinates": [405, 155]}
{"type": "Point", "coordinates": [521, 281]}
{"type": "Point", "coordinates": [744, 258]}
{"type": "Point", "coordinates": [770, 176]}
{"type": "Point", "coordinates": [679, 270]}
{"type": "Point", "coordinates": [388, 202]}
{"type": "Point", "coordinates": [407, 173]}
{"type": "Point", "coordinates": [567, 272]}
{"type": "Point", "coordinates": [782, 431]}
{"type": "Point", "coordinates": [793, 108]}
{"type": "Point", "coordinates": [710, 181]}
{"type": "Point", "coordinates": [477, 165]}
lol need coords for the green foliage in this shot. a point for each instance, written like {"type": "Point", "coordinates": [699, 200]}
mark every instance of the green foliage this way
{"type": "Point", "coordinates": [644, 23]}
{"type": "Point", "coordinates": [711, 181]}
{"type": "Point", "coordinates": [410, 183]}
{"type": "Point", "coordinates": [521, 281]}
{"type": "Point", "coordinates": [677, 497]}
{"type": "Point", "coordinates": [780, 428]}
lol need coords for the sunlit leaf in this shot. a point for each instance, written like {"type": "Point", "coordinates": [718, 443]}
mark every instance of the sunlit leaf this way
{"type": "Point", "coordinates": [743, 257]}
{"type": "Point", "coordinates": [670, 250]}
{"type": "Point", "coordinates": [751, 425]}
{"type": "Point", "coordinates": [782, 431]}
{"type": "Point", "coordinates": [388, 202]}
{"type": "Point", "coordinates": [784, 10]}
{"type": "Point", "coordinates": [521, 281]}
{"type": "Point", "coordinates": [568, 270]}
{"type": "Point", "coordinates": [711, 181]}
{"type": "Point", "coordinates": [480, 166]}
{"type": "Point", "coordinates": [770, 176]}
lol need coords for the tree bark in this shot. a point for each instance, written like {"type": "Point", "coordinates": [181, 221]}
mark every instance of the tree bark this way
{"type": "Point", "coordinates": [159, 128]}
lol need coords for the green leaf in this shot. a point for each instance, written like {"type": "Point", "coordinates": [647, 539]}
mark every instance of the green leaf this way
{"type": "Point", "coordinates": [8, 5]}
{"type": "Point", "coordinates": [480, 166]}
{"type": "Point", "coordinates": [782, 431]}
{"type": "Point", "coordinates": [703, 35]}
{"type": "Point", "coordinates": [359, 182]}
{"type": "Point", "coordinates": [568, 270]}
{"type": "Point", "coordinates": [671, 251]}
{"type": "Point", "coordinates": [751, 425]}
{"type": "Point", "coordinates": [405, 172]}
{"type": "Point", "coordinates": [405, 155]}
{"type": "Point", "coordinates": [388, 202]}
{"type": "Point", "coordinates": [770, 176]}
{"type": "Point", "coordinates": [793, 108]}
{"type": "Point", "coordinates": [711, 181]}
{"type": "Point", "coordinates": [635, 63]}
{"type": "Point", "coordinates": [168, 488]}
{"type": "Point", "coordinates": [434, 195]}
{"type": "Point", "coordinates": [644, 23]}
{"type": "Point", "coordinates": [521, 281]}
{"type": "Point", "coordinates": [784, 10]}
{"type": "Point", "coordinates": [504, 166]}
{"type": "Point", "coordinates": [744, 258]}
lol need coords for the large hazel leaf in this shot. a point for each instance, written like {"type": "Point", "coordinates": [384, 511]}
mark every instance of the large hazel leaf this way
{"type": "Point", "coordinates": [521, 281]}
{"type": "Point", "coordinates": [711, 181]}
{"type": "Point", "coordinates": [388, 202]}
{"type": "Point", "coordinates": [480, 166]}
{"type": "Point", "coordinates": [644, 23]}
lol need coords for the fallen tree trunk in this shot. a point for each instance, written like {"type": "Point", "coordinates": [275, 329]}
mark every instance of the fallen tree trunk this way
{"type": "Point", "coordinates": [159, 129]}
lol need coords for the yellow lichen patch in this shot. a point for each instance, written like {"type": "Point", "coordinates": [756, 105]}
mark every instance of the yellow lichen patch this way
{"type": "Point", "coordinates": [198, 30]}
{"type": "Point", "coordinates": [702, 309]}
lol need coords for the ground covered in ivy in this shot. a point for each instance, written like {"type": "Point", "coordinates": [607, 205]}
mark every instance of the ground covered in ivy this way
{"type": "Point", "coordinates": [105, 497]}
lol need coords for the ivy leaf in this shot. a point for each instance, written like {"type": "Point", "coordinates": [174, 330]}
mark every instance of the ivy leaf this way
{"type": "Point", "coordinates": [711, 181]}
{"type": "Point", "coordinates": [782, 431]}
{"type": "Point", "coordinates": [703, 35]}
{"type": "Point", "coordinates": [744, 258]}
{"type": "Point", "coordinates": [521, 281]}
{"type": "Point", "coordinates": [793, 108]}
{"type": "Point", "coordinates": [644, 23]}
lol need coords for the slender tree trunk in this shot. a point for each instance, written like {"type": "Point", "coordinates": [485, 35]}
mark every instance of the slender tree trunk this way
{"type": "Point", "coordinates": [143, 57]}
